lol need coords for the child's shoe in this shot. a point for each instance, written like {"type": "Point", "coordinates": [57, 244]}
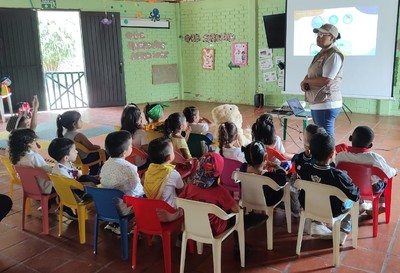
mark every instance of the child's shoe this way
{"type": "Point", "coordinates": [320, 230]}
{"type": "Point", "coordinates": [69, 214]}
{"type": "Point", "coordinates": [114, 228]}
{"type": "Point", "coordinates": [343, 237]}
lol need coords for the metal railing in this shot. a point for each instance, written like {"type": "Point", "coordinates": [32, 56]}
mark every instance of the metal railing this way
{"type": "Point", "coordinates": [65, 90]}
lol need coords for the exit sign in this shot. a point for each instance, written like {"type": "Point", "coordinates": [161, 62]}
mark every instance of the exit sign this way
{"type": "Point", "coordinates": [49, 4]}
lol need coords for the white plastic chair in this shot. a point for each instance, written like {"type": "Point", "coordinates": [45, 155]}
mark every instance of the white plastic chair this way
{"type": "Point", "coordinates": [318, 207]}
{"type": "Point", "coordinates": [253, 199]}
{"type": "Point", "coordinates": [197, 227]}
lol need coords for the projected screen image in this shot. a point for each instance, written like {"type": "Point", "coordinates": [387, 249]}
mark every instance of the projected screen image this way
{"type": "Point", "coordinates": [357, 26]}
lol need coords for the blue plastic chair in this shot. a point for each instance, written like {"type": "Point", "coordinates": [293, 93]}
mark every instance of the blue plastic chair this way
{"type": "Point", "coordinates": [106, 210]}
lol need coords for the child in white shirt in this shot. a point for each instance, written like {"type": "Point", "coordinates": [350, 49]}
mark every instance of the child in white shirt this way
{"type": "Point", "coordinates": [229, 146]}
{"type": "Point", "coordinates": [24, 151]}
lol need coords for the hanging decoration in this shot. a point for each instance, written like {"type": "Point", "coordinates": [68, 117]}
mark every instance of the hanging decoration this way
{"type": "Point", "coordinates": [106, 20]}
{"type": "Point", "coordinates": [155, 15]}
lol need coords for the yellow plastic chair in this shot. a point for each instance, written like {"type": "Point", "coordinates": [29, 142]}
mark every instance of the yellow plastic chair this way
{"type": "Point", "coordinates": [64, 186]}
{"type": "Point", "coordinates": [85, 166]}
{"type": "Point", "coordinates": [14, 180]}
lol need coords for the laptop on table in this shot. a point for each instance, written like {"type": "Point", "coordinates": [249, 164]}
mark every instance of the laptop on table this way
{"type": "Point", "coordinates": [298, 109]}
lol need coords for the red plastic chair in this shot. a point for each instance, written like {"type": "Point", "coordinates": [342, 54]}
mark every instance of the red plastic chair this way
{"type": "Point", "coordinates": [148, 222]}
{"type": "Point", "coordinates": [230, 165]}
{"type": "Point", "coordinates": [131, 158]}
{"type": "Point", "coordinates": [273, 153]}
{"type": "Point", "coordinates": [361, 176]}
{"type": "Point", "coordinates": [185, 167]}
{"type": "Point", "coordinates": [31, 190]}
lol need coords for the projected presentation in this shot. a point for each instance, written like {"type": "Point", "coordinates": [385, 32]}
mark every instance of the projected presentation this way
{"type": "Point", "coordinates": [357, 26]}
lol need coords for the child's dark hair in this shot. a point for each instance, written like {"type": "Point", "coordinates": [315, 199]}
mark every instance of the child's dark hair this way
{"type": "Point", "coordinates": [263, 130]}
{"type": "Point", "coordinates": [117, 142]}
{"type": "Point", "coordinates": [18, 143]}
{"type": "Point", "coordinates": [159, 149]}
{"type": "Point", "coordinates": [254, 153]}
{"type": "Point", "coordinates": [130, 118]}
{"type": "Point", "coordinates": [362, 137]}
{"type": "Point", "coordinates": [60, 147]}
{"type": "Point", "coordinates": [312, 129]}
{"type": "Point", "coordinates": [227, 132]}
{"type": "Point", "coordinates": [321, 146]}
{"type": "Point", "coordinates": [190, 112]}
{"type": "Point", "coordinates": [173, 123]}
{"type": "Point", "coordinates": [67, 120]}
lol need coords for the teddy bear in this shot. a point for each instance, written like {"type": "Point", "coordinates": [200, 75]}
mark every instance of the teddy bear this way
{"type": "Point", "coordinates": [230, 112]}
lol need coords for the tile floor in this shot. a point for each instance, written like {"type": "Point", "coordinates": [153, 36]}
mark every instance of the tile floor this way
{"type": "Point", "coordinates": [31, 251]}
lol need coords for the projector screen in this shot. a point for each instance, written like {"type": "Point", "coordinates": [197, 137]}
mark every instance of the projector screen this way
{"type": "Point", "coordinates": [368, 31]}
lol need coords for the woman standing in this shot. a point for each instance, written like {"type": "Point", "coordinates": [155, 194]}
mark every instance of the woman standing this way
{"type": "Point", "coordinates": [321, 85]}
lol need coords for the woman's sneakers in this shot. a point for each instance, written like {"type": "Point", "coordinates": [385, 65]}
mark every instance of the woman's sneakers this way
{"type": "Point", "coordinates": [113, 227]}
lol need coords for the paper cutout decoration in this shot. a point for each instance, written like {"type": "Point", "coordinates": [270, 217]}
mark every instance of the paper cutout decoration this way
{"type": "Point", "coordinates": [207, 58]}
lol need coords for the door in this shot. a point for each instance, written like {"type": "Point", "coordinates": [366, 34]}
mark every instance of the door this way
{"type": "Point", "coordinates": [20, 57]}
{"type": "Point", "coordinates": [103, 60]}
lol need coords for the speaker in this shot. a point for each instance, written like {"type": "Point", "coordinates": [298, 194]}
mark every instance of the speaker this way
{"type": "Point", "coordinates": [259, 100]}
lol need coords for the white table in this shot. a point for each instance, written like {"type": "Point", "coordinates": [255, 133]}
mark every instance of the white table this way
{"type": "Point", "coordinates": [3, 118]}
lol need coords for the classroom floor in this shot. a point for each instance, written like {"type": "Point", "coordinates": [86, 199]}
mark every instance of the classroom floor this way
{"type": "Point", "coordinates": [31, 251]}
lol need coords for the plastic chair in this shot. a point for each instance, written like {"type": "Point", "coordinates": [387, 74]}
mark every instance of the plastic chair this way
{"type": "Point", "coordinates": [131, 158]}
{"type": "Point", "coordinates": [14, 180]}
{"type": "Point", "coordinates": [64, 186]}
{"type": "Point", "coordinates": [195, 144]}
{"type": "Point", "coordinates": [182, 165]}
{"type": "Point", "coordinates": [197, 227]}
{"type": "Point", "coordinates": [31, 190]}
{"type": "Point", "coordinates": [106, 210]}
{"type": "Point", "coordinates": [272, 153]}
{"type": "Point", "coordinates": [230, 165]}
{"type": "Point", "coordinates": [148, 222]}
{"type": "Point", "coordinates": [318, 207]}
{"type": "Point", "coordinates": [361, 176]}
{"type": "Point", "coordinates": [85, 166]}
{"type": "Point", "coordinates": [253, 199]}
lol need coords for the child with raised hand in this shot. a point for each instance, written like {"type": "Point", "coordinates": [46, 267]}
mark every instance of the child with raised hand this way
{"type": "Point", "coordinates": [131, 121]}
{"type": "Point", "coordinates": [175, 124]}
{"type": "Point", "coordinates": [117, 173]}
{"type": "Point", "coordinates": [71, 121]}
{"type": "Point", "coordinates": [24, 151]}
{"type": "Point", "coordinates": [229, 146]}
{"type": "Point", "coordinates": [161, 179]}
{"type": "Point", "coordinates": [199, 125]}
{"type": "Point", "coordinates": [264, 130]}
{"type": "Point", "coordinates": [322, 147]}
{"type": "Point", "coordinates": [22, 121]}
{"type": "Point", "coordinates": [360, 152]}
{"type": "Point", "coordinates": [255, 155]}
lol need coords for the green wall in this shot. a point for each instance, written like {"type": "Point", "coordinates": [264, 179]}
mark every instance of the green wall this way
{"type": "Point", "coordinates": [138, 73]}
{"type": "Point", "coordinates": [243, 18]}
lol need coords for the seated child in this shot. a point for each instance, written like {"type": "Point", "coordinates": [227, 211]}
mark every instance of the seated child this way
{"type": "Point", "coordinates": [255, 156]}
{"type": "Point", "coordinates": [205, 188]}
{"type": "Point", "coordinates": [154, 113]}
{"type": "Point", "coordinates": [199, 125]}
{"type": "Point", "coordinates": [72, 122]}
{"type": "Point", "coordinates": [24, 151]}
{"type": "Point", "coordinates": [117, 173]}
{"type": "Point", "coordinates": [175, 124]}
{"type": "Point", "coordinates": [360, 152]}
{"type": "Point", "coordinates": [228, 139]}
{"type": "Point", "coordinates": [64, 152]}
{"type": "Point", "coordinates": [161, 180]}
{"type": "Point", "coordinates": [131, 121]}
{"type": "Point", "coordinates": [263, 130]}
{"type": "Point", "coordinates": [22, 121]}
{"type": "Point", "coordinates": [302, 157]}
{"type": "Point", "coordinates": [322, 147]}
